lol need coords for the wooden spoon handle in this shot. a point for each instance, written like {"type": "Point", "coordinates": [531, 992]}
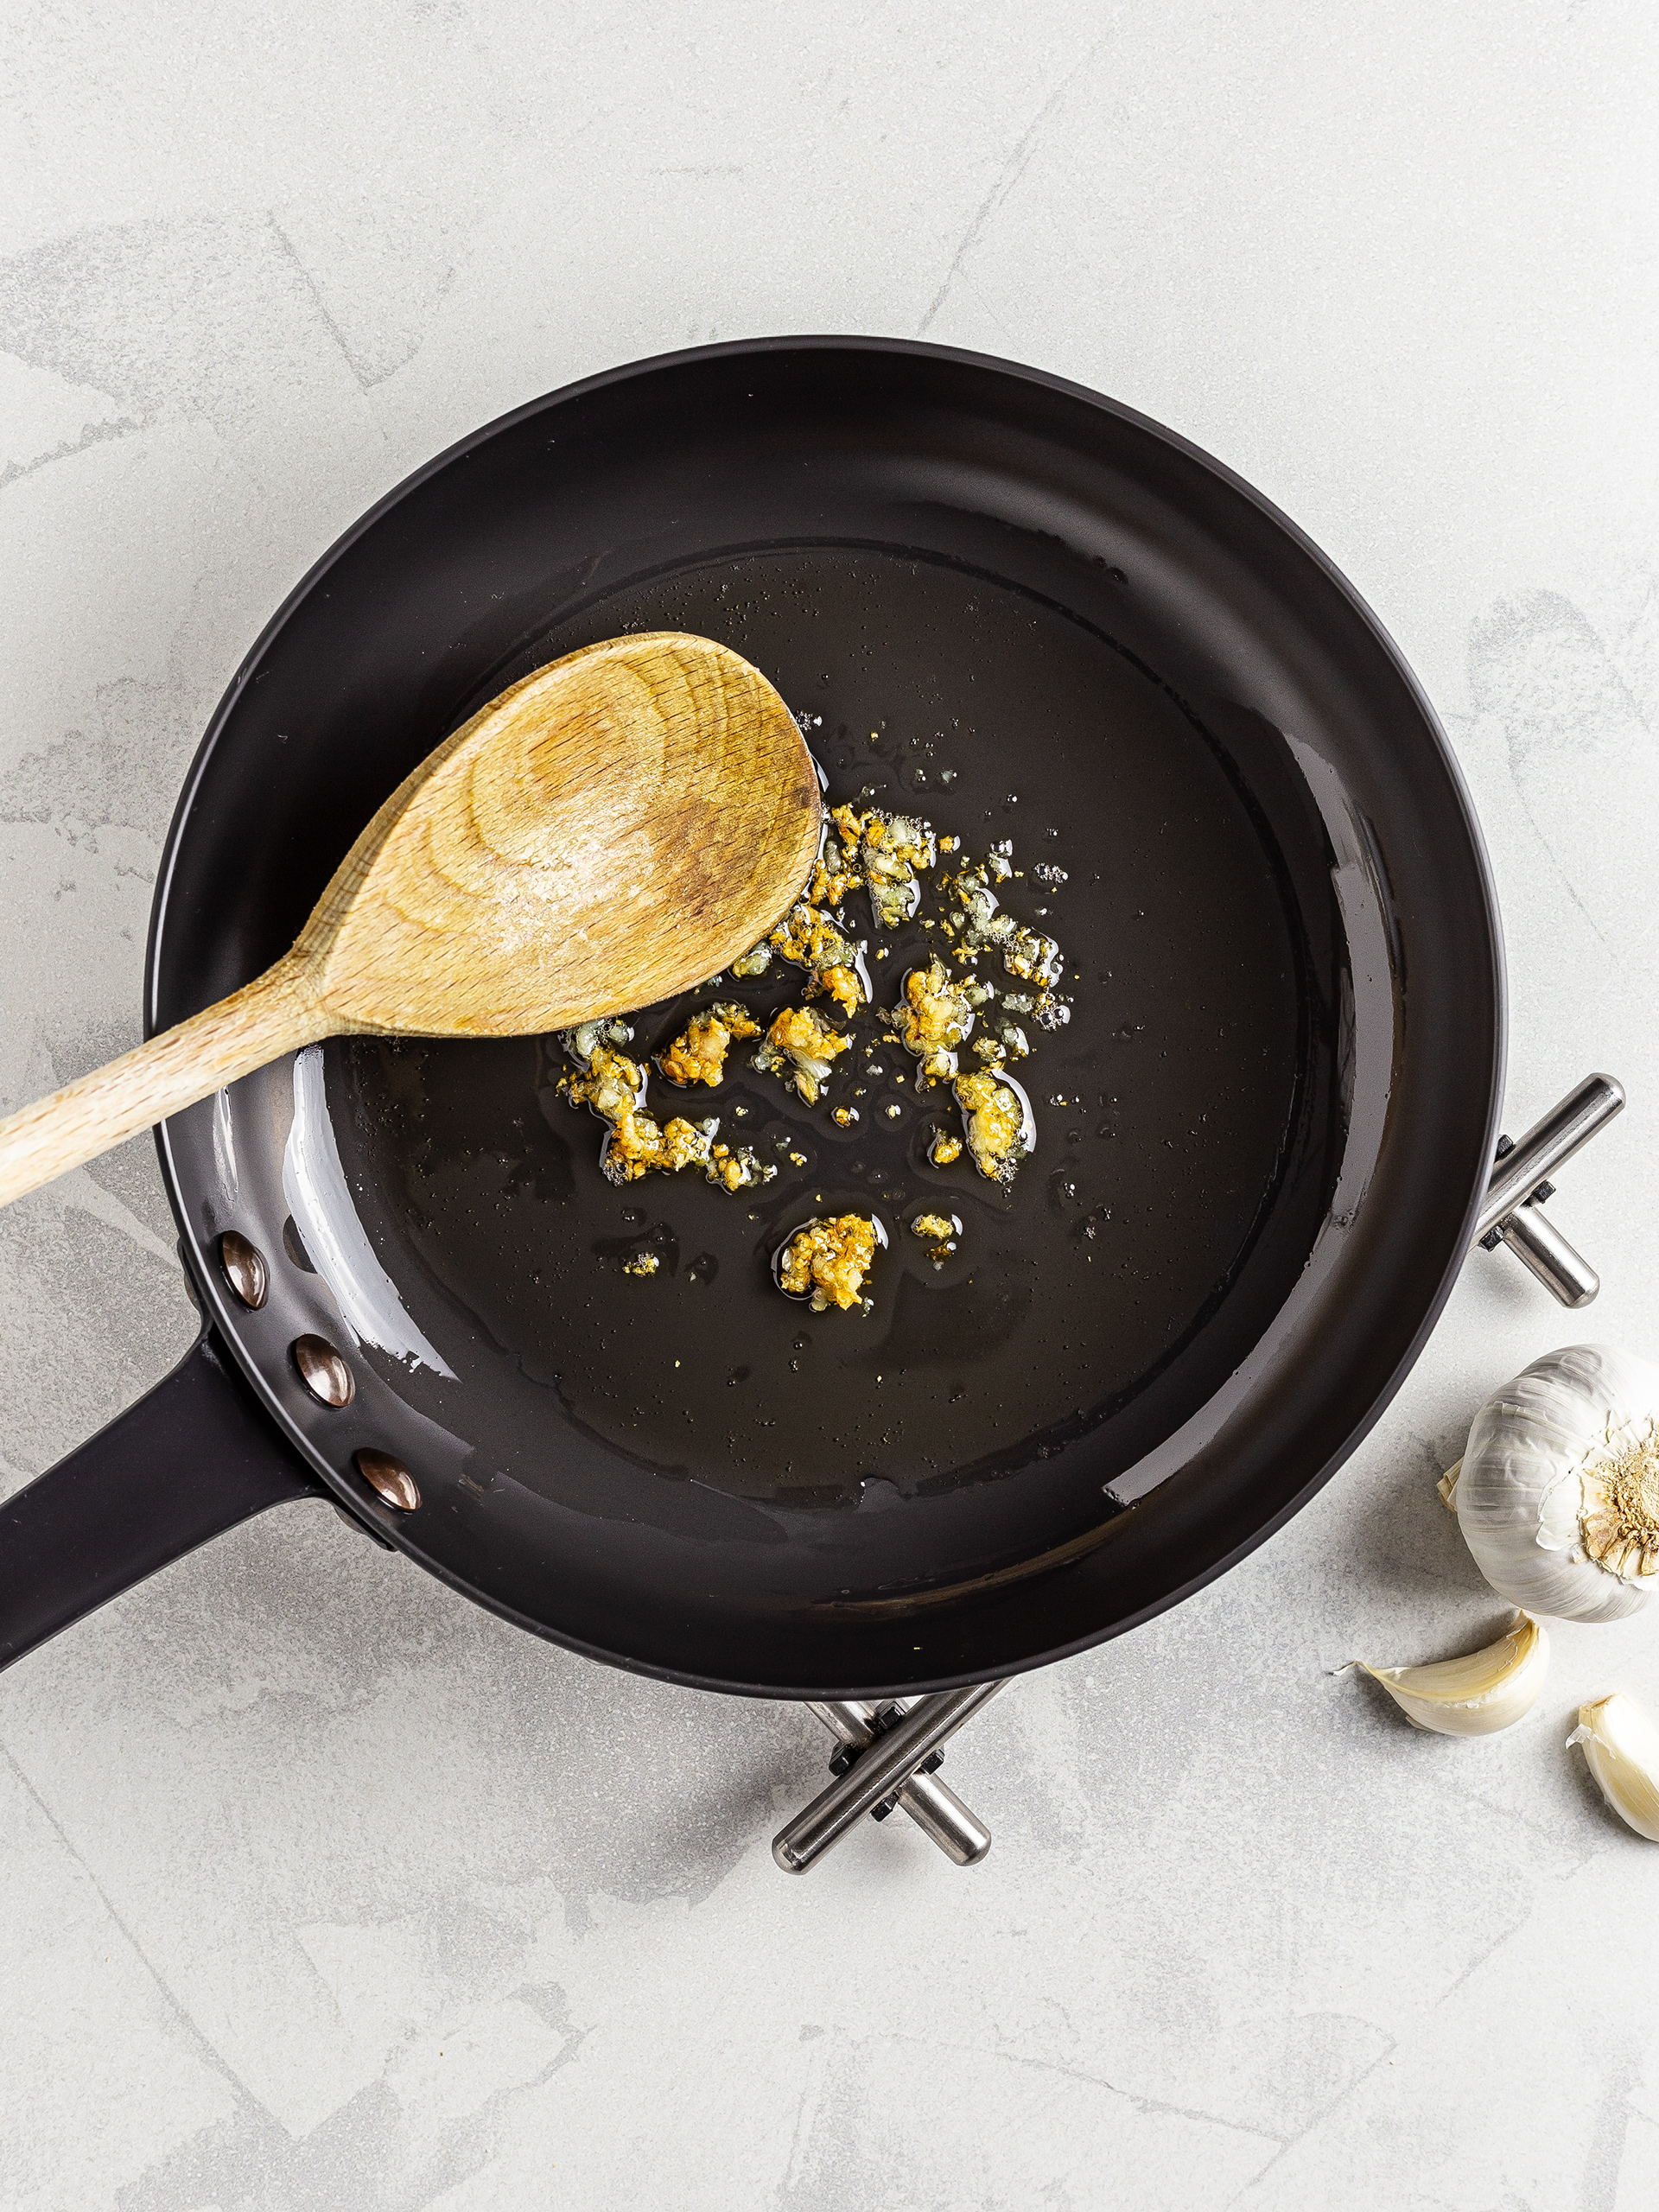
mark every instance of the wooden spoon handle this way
{"type": "Point", "coordinates": [273, 1014]}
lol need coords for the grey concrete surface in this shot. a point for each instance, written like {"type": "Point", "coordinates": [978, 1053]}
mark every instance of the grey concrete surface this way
{"type": "Point", "coordinates": [320, 1889]}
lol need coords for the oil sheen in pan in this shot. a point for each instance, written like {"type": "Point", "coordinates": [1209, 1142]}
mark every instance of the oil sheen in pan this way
{"type": "Point", "coordinates": [1163, 1111]}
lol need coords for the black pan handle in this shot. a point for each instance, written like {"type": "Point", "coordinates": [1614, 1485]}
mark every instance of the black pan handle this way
{"type": "Point", "coordinates": [192, 1459]}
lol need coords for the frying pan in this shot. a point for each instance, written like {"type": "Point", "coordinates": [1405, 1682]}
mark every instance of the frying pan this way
{"type": "Point", "coordinates": [1023, 609]}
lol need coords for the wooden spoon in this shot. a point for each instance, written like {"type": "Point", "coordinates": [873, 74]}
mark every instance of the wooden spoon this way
{"type": "Point", "coordinates": [609, 831]}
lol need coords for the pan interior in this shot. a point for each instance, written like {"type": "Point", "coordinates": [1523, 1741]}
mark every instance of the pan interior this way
{"type": "Point", "coordinates": [1088, 1310]}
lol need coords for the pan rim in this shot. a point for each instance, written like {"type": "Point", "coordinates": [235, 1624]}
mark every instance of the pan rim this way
{"type": "Point", "coordinates": [1016, 373]}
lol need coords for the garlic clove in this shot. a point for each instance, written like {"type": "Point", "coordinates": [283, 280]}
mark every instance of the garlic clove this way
{"type": "Point", "coordinates": [1479, 1694]}
{"type": "Point", "coordinates": [1448, 1485]}
{"type": "Point", "coordinates": [1621, 1748]}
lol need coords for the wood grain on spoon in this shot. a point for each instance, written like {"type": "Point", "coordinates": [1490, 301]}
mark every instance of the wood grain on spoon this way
{"type": "Point", "coordinates": [611, 830]}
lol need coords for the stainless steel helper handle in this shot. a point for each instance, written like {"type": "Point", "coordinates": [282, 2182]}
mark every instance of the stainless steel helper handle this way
{"type": "Point", "coordinates": [1547, 1145]}
{"type": "Point", "coordinates": [936, 1809]}
{"type": "Point", "coordinates": [1512, 1212]}
{"type": "Point", "coordinates": [887, 1764]}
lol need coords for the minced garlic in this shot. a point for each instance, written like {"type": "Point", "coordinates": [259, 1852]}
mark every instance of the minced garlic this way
{"type": "Point", "coordinates": [1010, 1043]}
{"type": "Point", "coordinates": [1047, 1011]}
{"type": "Point", "coordinates": [611, 1083]}
{"type": "Point", "coordinates": [1031, 956]}
{"type": "Point", "coordinates": [799, 1046]}
{"type": "Point", "coordinates": [941, 1000]}
{"type": "Point", "coordinates": [580, 1041]}
{"type": "Point", "coordinates": [995, 1121]}
{"type": "Point", "coordinates": [698, 1053]}
{"type": "Point", "coordinates": [1027, 955]}
{"type": "Point", "coordinates": [734, 1168]}
{"type": "Point", "coordinates": [614, 1087]}
{"type": "Point", "coordinates": [888, 848]}
{"type": "Point", "coordinates": [812, 939]}
{"type": "Point", "coordinates": [830, 1259]}
{"type": "Point", "coordinates": [935, 1017]}
{"type": "Point", "coordinates": [637, 1144]}
{"type": "Point", "coordinates": [942, 1230]}
{"type": "Point", "coordinates": [832, 880]}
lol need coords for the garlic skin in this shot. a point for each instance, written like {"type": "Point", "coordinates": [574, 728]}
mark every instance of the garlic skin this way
{"type": "Point", "coordinates": [1557, 1493]}
{"type": "Point", "coordinates": [1621, 1748]}
{"type": "Point", "coordinates": [1479, 1694]}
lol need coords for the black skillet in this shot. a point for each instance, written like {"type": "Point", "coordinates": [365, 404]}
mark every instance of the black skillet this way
{"type": "Point", "coordinates": [1031, 614]}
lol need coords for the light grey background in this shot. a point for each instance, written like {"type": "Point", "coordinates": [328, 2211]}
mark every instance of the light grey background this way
{"type": "Point", "coordinates": [319, 1888]}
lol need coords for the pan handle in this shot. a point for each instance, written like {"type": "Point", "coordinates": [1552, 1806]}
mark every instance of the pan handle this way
{"type": "Point", "coordinates": [195, 1457]}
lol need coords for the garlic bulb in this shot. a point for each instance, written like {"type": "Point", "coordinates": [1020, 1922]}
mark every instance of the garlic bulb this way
{"type": "Point", "coordinates": [1621, 1748]}
{"type": "Point", "coordinates": [1557, 1492]}
{"type": "Point", "coordinates": [1475, 1695]}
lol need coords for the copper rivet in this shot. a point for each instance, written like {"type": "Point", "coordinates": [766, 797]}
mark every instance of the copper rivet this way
{"type": "Point", "coordinates": [245, 1269]}
{"type": "Point", "coordinates": [323, 1370]}
{"type": "Point", "coordinates": [389, 1478]}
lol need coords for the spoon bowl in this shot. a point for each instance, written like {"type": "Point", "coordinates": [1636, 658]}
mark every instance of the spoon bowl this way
{"type": "Point", "coordinates": [613, 829]}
